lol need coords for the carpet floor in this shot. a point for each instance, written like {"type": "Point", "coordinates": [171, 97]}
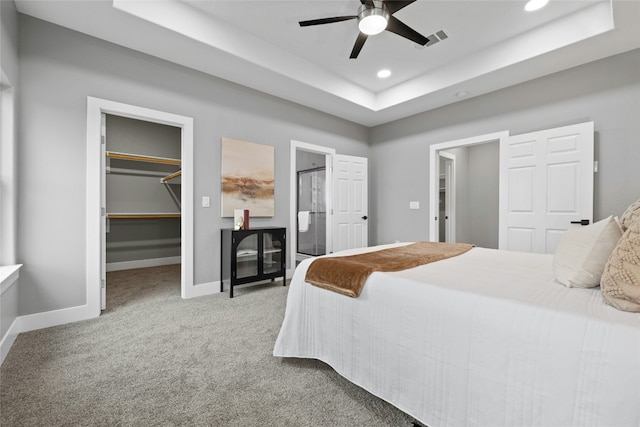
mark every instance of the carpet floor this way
{"type": "Point", "coordinates": [154, 359]}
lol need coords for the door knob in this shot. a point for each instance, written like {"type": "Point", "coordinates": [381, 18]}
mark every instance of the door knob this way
{"type": "Point", "coordinates": [365, 217]}
{"type": "Point", "coordinates": [581, 222]}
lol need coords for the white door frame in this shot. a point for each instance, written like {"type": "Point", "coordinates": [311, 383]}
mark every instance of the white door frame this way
{"type": "Point", "coordinates": [95, 108]}
{"type": "Point", "coordinates": [293, 195]}
{"type": "Point", "coordinates": [434, 177]}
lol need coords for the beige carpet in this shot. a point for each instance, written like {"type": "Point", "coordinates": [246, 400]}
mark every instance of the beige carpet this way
{"type": "Point", "coordinates": [154, 359]}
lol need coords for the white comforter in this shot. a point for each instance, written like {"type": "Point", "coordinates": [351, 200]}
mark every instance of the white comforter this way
{"type": "Point", "coordinates": [487, 338]}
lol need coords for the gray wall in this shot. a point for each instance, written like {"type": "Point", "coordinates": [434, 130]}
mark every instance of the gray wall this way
{"type": "Point", "coordinates": [483, 194]}
{"type": "Point", "coordinates": [605, 91]}
{"type": "Point", "coordinates": [309, 160]}
{"type": "Point", "coordinates": [8, 147]}
{"type": "Point", "coordinates": [59, 68]}
{"type": "Point", "coordinates": [9, 40]}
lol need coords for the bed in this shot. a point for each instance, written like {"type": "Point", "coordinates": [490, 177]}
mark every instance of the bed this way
{"type": "Point", "coordinates": [485, 338]}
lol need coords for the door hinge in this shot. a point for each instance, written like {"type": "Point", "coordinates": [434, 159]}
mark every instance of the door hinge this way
{"type": "Point", "coordinates": [595, 166]}
{"type": "Point", "coordinates": [103, 128]}
{"type": "Point", "coordinates": [103, 283]}
{"type": "Point", "coordinates": [103, 212]}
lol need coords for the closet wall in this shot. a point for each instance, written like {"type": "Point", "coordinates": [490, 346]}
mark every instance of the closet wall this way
{"type": "Point", "coordinates": [143, 211]}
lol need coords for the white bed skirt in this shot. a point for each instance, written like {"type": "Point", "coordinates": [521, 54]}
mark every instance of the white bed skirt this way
{"type": "Point", "coordinates": [487, 338]}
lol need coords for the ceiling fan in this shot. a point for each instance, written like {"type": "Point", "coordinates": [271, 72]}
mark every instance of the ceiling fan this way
{"type": "Point", "coordinates": [373, 18]}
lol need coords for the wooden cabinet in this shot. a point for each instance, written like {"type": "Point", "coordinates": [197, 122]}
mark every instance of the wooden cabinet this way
{"type": "Point", "coordinates": [252, 255]}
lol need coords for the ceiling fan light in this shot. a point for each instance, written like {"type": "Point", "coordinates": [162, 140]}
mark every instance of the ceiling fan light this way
{"type": "Point", "coordinates": [372, 20]}
{"type": "Point", "coordinates": [535, 5]}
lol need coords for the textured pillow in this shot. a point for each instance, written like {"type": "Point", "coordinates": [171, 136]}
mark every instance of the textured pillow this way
{"type": "Point", "coordinates": [621, 277]}
{"type": "Point", "coordinates": [583, 252]}
{"type": "Point", "coordinates": [631, 215]}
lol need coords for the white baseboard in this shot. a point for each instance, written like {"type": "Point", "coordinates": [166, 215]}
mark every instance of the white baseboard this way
{"type": "Point", "coordinates": [8, 339]}
{"type": "Point", "coordinates": [287, 275]}
{"type": "Point", "coordinates": [142, 263]}
{"type": "Point", "coordinates": [203, 289]}
{"type": "Point", "coordinates": [47, 319]}
{"type": "Point", "coordinates": [31, 322]}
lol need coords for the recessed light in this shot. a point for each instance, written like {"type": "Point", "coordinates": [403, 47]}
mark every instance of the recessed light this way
{"type": "Point", "coordinates": [535, 5]}
{"type": "Point", "coordinates": [383, 74]}
{"type": "Point", "coordinates": [462, 94]}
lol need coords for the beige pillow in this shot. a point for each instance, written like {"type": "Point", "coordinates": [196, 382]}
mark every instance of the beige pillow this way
{"type": "Point", "coordinates": [621, 277]}
{"type": "Point", "coordinates": [631, 215]}
{"type": "Point", "coordinates": [583, 252]}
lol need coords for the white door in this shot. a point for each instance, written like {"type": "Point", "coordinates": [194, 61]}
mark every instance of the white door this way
{"type": "Point", "coordinates": [350, 202]}
{"type": "Point", "coordinates": [546, 186]}
{"type": "Point", "coordinates": [103, 213]}
{"type": "Point", "coordinates": [447, 216]}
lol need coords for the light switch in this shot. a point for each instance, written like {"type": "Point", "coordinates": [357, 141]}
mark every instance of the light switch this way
{"type": "Point", "coordinates": [414, 205]}
{"type": "Point", "coordinates": [206, 201]}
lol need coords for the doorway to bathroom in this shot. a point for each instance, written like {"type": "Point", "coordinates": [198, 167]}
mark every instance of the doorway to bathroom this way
{"type": "Point", "coordinates": [312, 209]}
{"type": "Point", "coordinates": [311, 185]}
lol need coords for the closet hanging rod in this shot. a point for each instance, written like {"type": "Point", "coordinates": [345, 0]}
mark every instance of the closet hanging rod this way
{"type": "Point", "coordinates": [172, 176]}
{"type": "Point", "coordinates": [137, 172]}
{"type": "Point", "coordinates": [141, 158]}
{"type": "Point", "coordinates": [142, 215]}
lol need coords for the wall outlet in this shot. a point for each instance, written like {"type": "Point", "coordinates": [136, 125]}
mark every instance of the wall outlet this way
{"type": "Point", "coordinates": [206, 201]}
{"type": "Point", "coordinates": [414, 205]}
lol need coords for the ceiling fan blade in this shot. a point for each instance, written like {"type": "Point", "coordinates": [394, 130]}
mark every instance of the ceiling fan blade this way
{"type": "Point", "coordinates": [397, 27]}
{"type": "Point", "coordinates": [395, 5]}
{"type": "Point", "coordinates": [367, 2]}
{"type": "Point", "coordinates": [357, 47]}
{"type": "Point", "coordinates": [326, 20]}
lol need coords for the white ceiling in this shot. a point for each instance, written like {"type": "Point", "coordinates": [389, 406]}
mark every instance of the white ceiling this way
{"type": "Point", "coordinates": [259, 44]}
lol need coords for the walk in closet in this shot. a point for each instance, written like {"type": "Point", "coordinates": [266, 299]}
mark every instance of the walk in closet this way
{"type": "Point", "coordinates": [142, 193]}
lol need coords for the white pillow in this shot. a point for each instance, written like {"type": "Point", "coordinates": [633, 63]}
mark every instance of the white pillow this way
{"type": "Point", "coordinates": [582, 253]}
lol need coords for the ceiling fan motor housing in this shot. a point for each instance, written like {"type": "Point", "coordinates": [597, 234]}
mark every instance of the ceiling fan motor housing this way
{"type": "Point", "coordinates": [373, 19]}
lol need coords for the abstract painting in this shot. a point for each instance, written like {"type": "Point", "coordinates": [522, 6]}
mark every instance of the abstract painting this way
{"type": "Point", "coordinates": [248, 178]}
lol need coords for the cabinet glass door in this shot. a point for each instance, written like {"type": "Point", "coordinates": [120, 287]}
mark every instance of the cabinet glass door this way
{"type": "Point", "coordinates": [272, 246]}
{"type": "Point", "coordinates": [247, 256]}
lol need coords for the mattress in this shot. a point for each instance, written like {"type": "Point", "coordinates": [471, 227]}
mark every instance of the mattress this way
{"type": "Point", "coordinates": [487, 338]}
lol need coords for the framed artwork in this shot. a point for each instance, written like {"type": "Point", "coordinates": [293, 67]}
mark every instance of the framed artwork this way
{"type": "Point", "coordinates": [248, 178]}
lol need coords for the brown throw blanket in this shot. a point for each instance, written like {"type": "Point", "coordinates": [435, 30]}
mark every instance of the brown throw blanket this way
{"type": "Point", "coordinates": [347, 274]}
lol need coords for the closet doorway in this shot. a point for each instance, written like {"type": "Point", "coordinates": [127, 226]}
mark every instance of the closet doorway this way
{"type": "Point", "coordinates": [96, 214]}
{"type": "Point", "coordinates": [142, 195]}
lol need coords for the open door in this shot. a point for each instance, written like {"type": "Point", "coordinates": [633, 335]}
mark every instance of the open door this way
{"type": "Point", "coordinates": [350, 202]}
{"type": "Point", "coordinates": [546, 186]}
{"type": "Point", "coordinates": [447, 197]}
{"type": "Point", "coordinates": [103, 213]}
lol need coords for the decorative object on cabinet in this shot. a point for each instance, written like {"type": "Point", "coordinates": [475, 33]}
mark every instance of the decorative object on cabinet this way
{"type": "Point", "coordinates": [238, 219]}
{"type": "Point", "coordinates": [245, 219]}
{"type": "Point", "coordinates": [252, 255]}
{"type": "Point", "coordinates": [248, 177]}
